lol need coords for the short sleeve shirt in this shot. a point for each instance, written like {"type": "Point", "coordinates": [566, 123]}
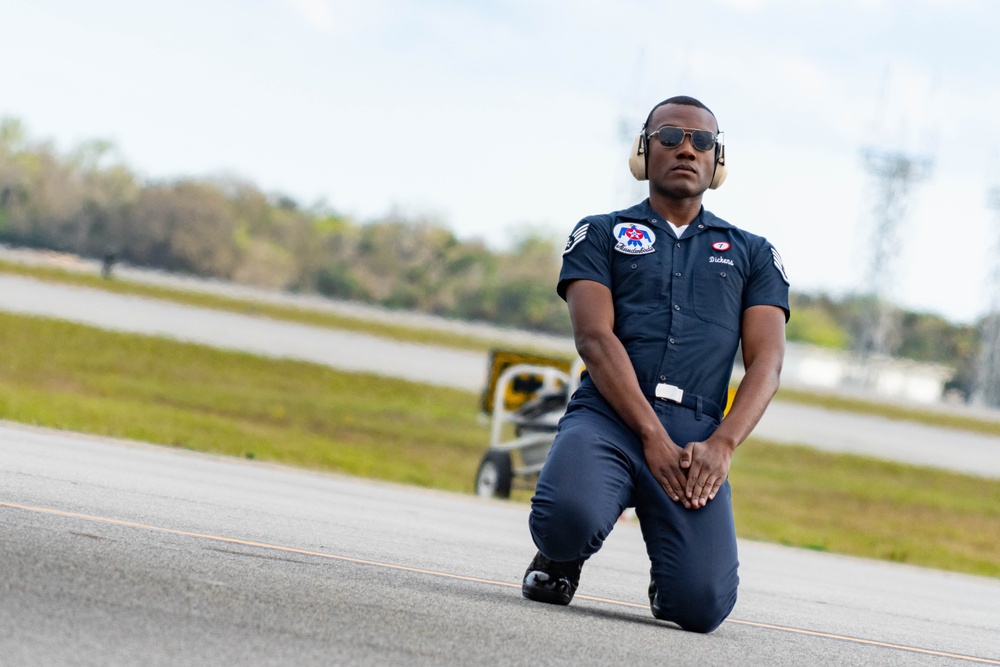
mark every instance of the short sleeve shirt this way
{"type": "Point", "coordinates": [678, 303]}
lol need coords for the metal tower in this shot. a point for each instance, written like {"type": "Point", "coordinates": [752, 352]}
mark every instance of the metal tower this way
{"type": "Point", "coordinates": [893, 175]}
{"type": "Point", "coordinates": [987, 387]}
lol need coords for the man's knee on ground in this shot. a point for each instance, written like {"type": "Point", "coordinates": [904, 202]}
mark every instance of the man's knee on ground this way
{"type": "Point", "coordinates": [703, 620]}
{"type": "Point", "coordinates": [695, 608]}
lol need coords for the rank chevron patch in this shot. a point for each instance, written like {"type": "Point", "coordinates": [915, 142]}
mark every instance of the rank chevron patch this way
{"type": "Point", "coordinates": [781, 266]}
{"type": "Point", "coordinates": [578, 235]}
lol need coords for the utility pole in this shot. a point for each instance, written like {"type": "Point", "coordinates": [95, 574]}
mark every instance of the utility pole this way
{"type": "Point", "coordinates": [987, 387]}
{"type": "Point", "coordinates": [893, 173]}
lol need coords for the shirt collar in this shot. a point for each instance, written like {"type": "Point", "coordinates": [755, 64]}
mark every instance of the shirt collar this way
{"type": "Point", "coordinates": [644, 212]}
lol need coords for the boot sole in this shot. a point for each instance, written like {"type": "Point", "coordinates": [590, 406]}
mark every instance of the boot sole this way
{"type": "Point", "coordinates": [542, 595]}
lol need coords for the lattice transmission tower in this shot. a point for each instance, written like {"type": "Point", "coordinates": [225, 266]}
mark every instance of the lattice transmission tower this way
{"type": "Point", "coordinates": [893, 175]}
{"type": "Point", "coordinates": [986, 391]}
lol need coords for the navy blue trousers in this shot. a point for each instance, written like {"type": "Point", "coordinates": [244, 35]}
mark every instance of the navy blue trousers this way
{"type": "Point", "coordinates": [596, 469]}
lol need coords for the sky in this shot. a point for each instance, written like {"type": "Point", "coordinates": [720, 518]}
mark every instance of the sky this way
{"type": "Point", "coordinates": [501, 118]}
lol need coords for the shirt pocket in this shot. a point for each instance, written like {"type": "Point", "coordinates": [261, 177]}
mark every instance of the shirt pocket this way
{"type": "Point", "coordinates": [637, 282]}
{"type": "Point", "coordinates": [718, 295]}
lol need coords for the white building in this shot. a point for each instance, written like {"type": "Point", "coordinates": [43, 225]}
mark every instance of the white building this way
{"type": "Point", "coordinates": [811, 367]}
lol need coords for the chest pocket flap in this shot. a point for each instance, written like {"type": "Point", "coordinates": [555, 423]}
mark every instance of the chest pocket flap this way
{"type": "Point", "coordinates": [718, 289]}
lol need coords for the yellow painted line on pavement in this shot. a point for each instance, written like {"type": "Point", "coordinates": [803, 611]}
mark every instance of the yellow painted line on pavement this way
{"type": "Point", "coordinates": [867, 642]}
{"type": "Point", "coordinates": [448, 575]}
{"type": "Point", "coordinates": [248, 543]}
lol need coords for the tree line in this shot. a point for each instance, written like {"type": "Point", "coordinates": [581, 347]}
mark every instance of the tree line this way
{"type": "Point", "coordinates": [88, 202]}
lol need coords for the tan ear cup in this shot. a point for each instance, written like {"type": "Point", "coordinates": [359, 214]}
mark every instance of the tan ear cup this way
{"type": "Point", "coordinates": [720, 169]}
{"type": "Point", "coordinates": [637, 158]}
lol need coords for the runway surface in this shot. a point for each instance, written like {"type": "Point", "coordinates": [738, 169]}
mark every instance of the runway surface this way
{"type": "Point", "coordinates": [789, 423]}
{"type": "Point", "coordinates": [115, 553]}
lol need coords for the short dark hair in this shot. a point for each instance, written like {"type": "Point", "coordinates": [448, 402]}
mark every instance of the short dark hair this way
{"type": "Point", "coordinates": [683, 100]}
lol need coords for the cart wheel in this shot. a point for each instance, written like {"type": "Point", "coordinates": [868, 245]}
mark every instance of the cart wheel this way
{"type": "Point", "coordinates": [495, 475]}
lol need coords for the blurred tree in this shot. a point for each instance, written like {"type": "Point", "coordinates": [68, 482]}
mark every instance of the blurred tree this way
{"type": "Point", "coordinates": [817, 326]}
{"type": "Point", "coordinates": [89, 202]}
{"type": "Point", "coordinates": [185, 226]}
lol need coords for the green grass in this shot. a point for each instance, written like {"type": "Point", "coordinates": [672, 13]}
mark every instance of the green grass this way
{"type": "Point", "coordinates": [72, 377]}
{"type": "Point", "coordinates": [432, 336]}
{"type": "Point", "coordinates": [69, 376]}
{"type": "Point", "coordinates": [401, 332]}
{"type": "Point", "coordinates": [866, 507]}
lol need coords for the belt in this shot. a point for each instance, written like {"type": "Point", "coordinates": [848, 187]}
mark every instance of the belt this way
{"type": "Point", "coordinates": [674, 394]}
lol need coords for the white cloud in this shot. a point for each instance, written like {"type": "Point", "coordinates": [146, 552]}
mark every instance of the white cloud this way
{"type": "Point", "coordinates": [743, 5]}
{"type": "Point", "coordinates": [317, 13]}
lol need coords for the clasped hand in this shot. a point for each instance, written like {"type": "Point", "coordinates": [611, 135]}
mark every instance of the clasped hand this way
{"type": "Point", "coordinates": [692, 475]}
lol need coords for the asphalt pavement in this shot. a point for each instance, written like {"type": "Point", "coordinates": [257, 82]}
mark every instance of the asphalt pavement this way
{"type": "Point", "coordinates": [123, 553]}
{"type": "Point", "coordinates": [120, 553]}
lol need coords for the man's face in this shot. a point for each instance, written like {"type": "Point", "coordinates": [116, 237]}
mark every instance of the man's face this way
{"type": "Point", "coordinates": [682, 171]}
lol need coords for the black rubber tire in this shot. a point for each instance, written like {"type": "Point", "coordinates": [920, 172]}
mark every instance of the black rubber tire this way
{"type": "Point", "coordinates": [495, 474]}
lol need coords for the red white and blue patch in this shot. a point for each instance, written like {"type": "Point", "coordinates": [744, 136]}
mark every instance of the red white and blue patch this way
{"type": "Point", "coordinates": [720, 246]}
{"type": "Point", "coordinates": [633, 239]}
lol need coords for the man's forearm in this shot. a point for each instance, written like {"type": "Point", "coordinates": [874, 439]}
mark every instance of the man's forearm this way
{"type": "Point", "coordinates": [757, 388]}
{"type": "Point", "coordinates": [611, 370]}
{"type": "Point", "coordinates": [763, 338]}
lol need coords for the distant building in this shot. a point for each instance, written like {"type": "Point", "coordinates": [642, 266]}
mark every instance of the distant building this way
{"type": "Point", "coordinates": [811, 367]}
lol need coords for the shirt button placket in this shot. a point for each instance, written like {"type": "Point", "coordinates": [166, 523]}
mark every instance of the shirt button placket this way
{"type": "Point", "coordinates": [677, 291]}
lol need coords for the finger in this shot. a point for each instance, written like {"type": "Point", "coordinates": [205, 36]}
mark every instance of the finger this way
{"type": "Point", "coordinates": [707, 490]}
{"type": "Point", "coordinates": [699, 494]}
{"type": "Point", "coordinates": [667, 483]}
{"type": "Point", "coordinates": [715, 488]}
{"type": "Point", "coordinates": [695, 479]}
{"type": "Point", "coordinates": [706, 484]}
{"type": "Point", "coordinates": [691, 487]}
{"type": "Point", "coordinates": [686, 457]}
{"type": "Point", "coordinates": [675, 489]}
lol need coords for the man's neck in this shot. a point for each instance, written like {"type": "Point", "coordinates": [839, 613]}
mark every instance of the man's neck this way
{"type": "Point", "coordinates": [678, 211]}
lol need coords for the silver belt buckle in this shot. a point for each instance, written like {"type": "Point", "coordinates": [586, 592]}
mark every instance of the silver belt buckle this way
{"type": "Point", "coordinates": [669, 392]}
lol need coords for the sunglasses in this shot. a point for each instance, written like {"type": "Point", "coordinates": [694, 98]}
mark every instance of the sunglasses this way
{"type": "Point", "coordinates": [671, 136]}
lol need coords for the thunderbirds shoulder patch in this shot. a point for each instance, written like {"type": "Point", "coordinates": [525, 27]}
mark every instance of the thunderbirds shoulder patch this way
{"type": "Point", "coordinates": [633, 239]}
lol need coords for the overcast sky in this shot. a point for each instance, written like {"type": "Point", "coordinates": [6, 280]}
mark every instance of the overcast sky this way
{"type": "Point", "coordinates": [508, 115]}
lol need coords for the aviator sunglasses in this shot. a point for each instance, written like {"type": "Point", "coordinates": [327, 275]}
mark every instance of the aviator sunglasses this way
{"type": "Point", "coordinates": [671, 136]}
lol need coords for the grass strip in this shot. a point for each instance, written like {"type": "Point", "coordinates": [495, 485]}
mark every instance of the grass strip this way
{"type": "Point", "coordinates": [73, 377]}
{"type": "Point", "coordinates": [401, 332]}
{"type": "Point", "coordinates": [69, 376]}
{"type": "Point", "coordinates": [436, 337]}
{"type": "Point", "coordinates": [866, 507]}
{"type": "Point", "coordinates": [928, 415]}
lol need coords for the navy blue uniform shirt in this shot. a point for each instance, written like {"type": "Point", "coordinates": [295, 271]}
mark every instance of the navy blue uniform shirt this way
{"type": "Point", "coordinates": [678, 302]}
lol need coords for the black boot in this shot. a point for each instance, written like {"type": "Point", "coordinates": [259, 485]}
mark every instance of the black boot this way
{"type": "Point", "coordinates": [551, 581]}
{"type": "Point", "coordinates": [654, 604]}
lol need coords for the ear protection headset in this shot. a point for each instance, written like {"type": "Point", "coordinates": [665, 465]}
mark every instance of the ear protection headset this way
{"type": "Point", "coordinates": [639, 158]}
